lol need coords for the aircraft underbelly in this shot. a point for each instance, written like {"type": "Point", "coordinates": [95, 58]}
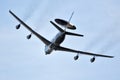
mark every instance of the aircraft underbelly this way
{"type": "Point", "coordinates": [60, 40]}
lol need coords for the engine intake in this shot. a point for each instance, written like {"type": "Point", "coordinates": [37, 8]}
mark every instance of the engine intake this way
{"type": "Point", "coordinates": [76, 57]}
{"type": "Point", "coordinates": [92, 59]}
{"type": "Point", "coordinates": [18, 26]}
{"type": "Point", "coordinates": [29, 36]}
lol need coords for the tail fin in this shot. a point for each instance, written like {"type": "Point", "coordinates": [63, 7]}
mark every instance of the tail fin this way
{"type": "Point", "coordinates": [73, 34]}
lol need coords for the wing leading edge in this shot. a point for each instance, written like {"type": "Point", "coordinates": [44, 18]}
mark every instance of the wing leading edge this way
{"type": "Point", "coordinates": [45, 41]}
{"type": "Point", "coordinates": [59, 48]}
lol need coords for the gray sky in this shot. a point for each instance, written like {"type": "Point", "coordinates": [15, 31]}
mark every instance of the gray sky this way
{"type": "Point", "coordinates": [22, 59]}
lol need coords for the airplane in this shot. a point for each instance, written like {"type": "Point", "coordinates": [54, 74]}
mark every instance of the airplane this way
{"type": "Point", "coordinates": [54, 44]}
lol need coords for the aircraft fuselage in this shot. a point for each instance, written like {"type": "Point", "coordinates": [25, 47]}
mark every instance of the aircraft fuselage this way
{"type": "Point", "coordinates": [56, 41]}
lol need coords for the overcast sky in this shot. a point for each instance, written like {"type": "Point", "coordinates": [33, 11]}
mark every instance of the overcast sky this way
{"type": "Point", "coordinates": [22, 59]}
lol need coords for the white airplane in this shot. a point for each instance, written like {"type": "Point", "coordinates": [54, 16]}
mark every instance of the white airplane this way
{"type": "Point", "coordinates": [57, 40]}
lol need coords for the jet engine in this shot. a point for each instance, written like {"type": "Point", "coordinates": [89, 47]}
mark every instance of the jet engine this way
{"type": "Point", "coordinates": [92, 59]}
{"type": "Point", "coordinates": [76, 57]}
{"type": "Point", "coordinates": [29, 36]}
{"type": "Point", "coordinates": [18, 26]}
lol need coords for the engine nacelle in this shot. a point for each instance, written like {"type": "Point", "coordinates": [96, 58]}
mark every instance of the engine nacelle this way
{"type": "Point", "coordinates": [92, 59]}
{"type": "Point", "coordinates": [18, 26]}
{"type": "Point", "coordinates": [76, 57]}
{"type": "Point", "coordinates": [29, 36]}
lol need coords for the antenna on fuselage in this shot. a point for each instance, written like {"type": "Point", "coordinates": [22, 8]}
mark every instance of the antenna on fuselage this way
{"type": "Point", "coordinates": [69, 19]}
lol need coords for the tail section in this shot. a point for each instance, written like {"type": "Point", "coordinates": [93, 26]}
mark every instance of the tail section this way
{"type": "Point", "coordinates": [73, 34]}
{"type": "Point", "coordinates": [67, 33]}
{"type": "Point", "coordinates": [60, 29]}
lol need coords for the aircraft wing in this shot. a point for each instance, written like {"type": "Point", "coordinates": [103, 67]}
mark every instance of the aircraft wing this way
{"type": "Point", "coordinates": [59, 48]}
{"type": "Point", "coordinates": [45, 41]}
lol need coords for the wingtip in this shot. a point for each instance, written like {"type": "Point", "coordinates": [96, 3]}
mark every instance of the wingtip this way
{"type": "Point", "coordinates": [82, 35]}
{"type": "Point", "coordinates": [10, 11]}
{"type": "Point", "coordinates": [112, 56]}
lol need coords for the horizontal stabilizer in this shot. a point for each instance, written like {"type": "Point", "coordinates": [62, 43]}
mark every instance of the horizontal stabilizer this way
{"type": "Point", "coordinates": [73, 34]}
{"type": "Point", "coordinates": [60, 29]}
{"type": "Point", "coordinates": [67, 33]}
